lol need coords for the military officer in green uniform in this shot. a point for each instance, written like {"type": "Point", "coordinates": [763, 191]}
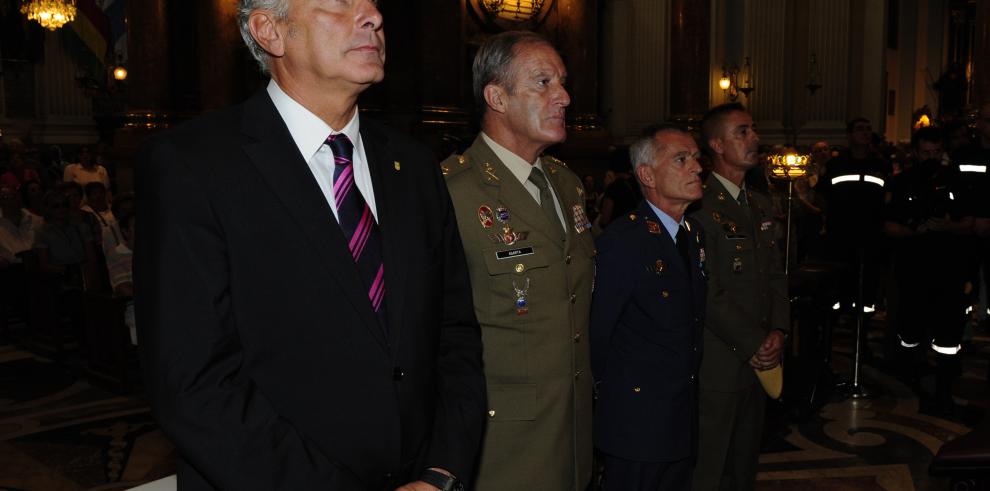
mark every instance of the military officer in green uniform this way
{"type": "Point", "coordinates": [747, 312]}
{"type": "Point", "coordinates": [530, 255]}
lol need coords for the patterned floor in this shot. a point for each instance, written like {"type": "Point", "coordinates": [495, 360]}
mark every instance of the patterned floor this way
{"type": "Point", "coordinates": [57, 432]}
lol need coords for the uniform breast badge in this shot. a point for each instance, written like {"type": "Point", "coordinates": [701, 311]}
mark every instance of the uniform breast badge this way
{"type": "Point", "coordinates": [521, 304]}
{"type": "Point", "coordinates": [502, 214]}
{"type": "Point", "coordinates": [653, 227]}
{"type": "Point", "coordinates": [581, 222]}
{"type": "Point", "coordinates": [717, 217]}
{"type": "Point", "coordinates": [485, 216]}
{"type": "Point", "coordinates": [508, 236]}
{"type": "Point", "coordinates": [659, 267]}
{"type": "Point", "coordinates": [765, 225]}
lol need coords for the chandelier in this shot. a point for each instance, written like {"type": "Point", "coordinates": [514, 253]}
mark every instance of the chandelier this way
{"type": "Point", "coordinates": [517, 10]}
{"type": "Point", "coordinates": [51, 14]}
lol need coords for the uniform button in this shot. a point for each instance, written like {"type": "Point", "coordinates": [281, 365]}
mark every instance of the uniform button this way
{"type": "Point", "coordinates": [732, 348]}
{"type": "Point", "coordinates": [520, 268]}
{"type": "Point", "coordinates": [491, 413]}
{"type": "Point", "coordinates": [577, 337]}
{"type": "Point", "coordinates": [695, 348]}
{"type": "Point", "coordinates": [637, 389]}
{"type": "Point", "coordinates": [567, 260]}
{"type": "Point", "coordinates": [577, 374]}
{"type": "Point", "coordinates": [573, 298]}
{"type": "Point", "coordinates": [692, 377]}
{"type": "Point", "coordinates": [665, 294]}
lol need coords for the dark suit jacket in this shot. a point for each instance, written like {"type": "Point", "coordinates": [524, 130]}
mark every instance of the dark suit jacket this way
{"type": "Point", "coordinates": [646, 325]}
{"type": "Point", "coordinates": [264, 361]}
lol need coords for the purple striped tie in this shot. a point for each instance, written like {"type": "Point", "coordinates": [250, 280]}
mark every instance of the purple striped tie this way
{"type": "Point", "coordinates": [358, 224]}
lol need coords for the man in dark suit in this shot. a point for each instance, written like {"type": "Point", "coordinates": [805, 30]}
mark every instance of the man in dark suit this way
{"type": "Point", "coordinates": [747, 309]}
{"type": "Point", "coordinates": [283, 345]}
{"type": "Point", "coordinates": [646, 322]}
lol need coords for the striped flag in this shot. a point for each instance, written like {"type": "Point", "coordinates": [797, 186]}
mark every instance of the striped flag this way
{"type": "Point", "coordinates": [92, 26]}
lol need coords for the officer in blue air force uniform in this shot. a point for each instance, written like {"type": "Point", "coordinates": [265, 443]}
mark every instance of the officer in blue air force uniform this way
{"type": "Point", "coordinates": [646, 325]}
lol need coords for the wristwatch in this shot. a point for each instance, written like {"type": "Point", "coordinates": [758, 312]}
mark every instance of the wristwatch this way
{"type": "Point", "coordinates": [441, 481]}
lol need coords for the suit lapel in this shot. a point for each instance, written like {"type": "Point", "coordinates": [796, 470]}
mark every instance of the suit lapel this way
{"type": "Point", "coordinates": [510, 192]}
{"type": "Point", "coordinates": [277, 159]}
{"type": "Point", "coordinates": [663, 240]}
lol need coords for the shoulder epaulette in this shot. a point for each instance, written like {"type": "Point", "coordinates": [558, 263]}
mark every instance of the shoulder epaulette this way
{"type": "Point", "coordinates": [454, 165]}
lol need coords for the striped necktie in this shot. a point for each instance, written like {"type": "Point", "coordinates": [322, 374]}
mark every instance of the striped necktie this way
{"type": "Point", "coordinates": [358, 224]}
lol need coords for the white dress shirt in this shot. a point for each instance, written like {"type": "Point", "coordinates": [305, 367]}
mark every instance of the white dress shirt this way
{"type": "Point", "coordinates": [310, 132]}
{"type": "Point", "coordinates": [521, 169]}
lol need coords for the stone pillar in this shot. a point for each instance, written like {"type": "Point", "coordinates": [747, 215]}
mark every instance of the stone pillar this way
{"type": "Point", "coordinates": [219, 55]}
{"type": "Point", "coordinates": [148, 60]}
{"type": "Point", "coordinates": [690, 22]}
{"type": "Point", "coordinates": [981, 56]}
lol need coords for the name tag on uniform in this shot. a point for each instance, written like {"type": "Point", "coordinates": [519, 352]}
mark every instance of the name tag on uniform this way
{"type": "Point", "coordinates": [511, 253]}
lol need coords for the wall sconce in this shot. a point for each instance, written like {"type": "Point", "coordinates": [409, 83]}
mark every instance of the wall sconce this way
{"type": "Point", "coordinates": [814, 76]}
{"type": "Point", "coordinates": [515, 10]}
{"type": "Point", "coordinates": [120, 73]}
{"type": "Point", "coordinates": [729, 83]}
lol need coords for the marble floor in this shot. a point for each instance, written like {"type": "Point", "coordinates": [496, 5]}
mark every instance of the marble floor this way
{"type": "Point", "coordinates": [58, 432]}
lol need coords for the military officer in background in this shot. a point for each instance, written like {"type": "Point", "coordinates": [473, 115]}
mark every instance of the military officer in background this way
{"type": "Point", "coordinates": [929, 220]}
{"type": "Point", "coordinates": [529, 250]}
{"type": "Point", "coordinates": [747, 311]}
{"type": "Point", "coordinates": [646, 322]}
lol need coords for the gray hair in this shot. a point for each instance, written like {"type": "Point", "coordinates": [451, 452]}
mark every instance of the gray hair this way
{"type": "Point", "coordinates": [244, 8]}
{"type": "Point", "coordinates": [494, 58]}
{"type": "Point", "coordinates": [643, 151]}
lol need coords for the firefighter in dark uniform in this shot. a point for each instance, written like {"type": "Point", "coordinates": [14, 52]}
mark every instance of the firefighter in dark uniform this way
{"type": "Point", "coordinates": [930, 227]}
{"type": "Point", "coordinates": [853, 188]}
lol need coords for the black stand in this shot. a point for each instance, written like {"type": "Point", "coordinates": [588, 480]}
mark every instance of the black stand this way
{"type": "Point", "coordinates": [853, 389]}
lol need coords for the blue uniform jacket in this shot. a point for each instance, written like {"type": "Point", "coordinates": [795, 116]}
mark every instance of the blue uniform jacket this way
{"type": "Point", "coordinates": [646, 337]}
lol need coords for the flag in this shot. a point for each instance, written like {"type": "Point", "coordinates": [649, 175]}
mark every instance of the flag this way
{"type": "Point", "coordinates": [92, 26]}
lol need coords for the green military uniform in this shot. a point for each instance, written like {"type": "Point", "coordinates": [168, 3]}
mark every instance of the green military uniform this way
{"type": "Point", "coordinates": [532, 296]}
{"type": "Point", "coordinates": [747, 298]}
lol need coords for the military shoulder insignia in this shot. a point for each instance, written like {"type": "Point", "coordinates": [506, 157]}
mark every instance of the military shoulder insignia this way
{"type": "Point", "coordinates": [632, 216]}
{"type": "Point", "coordinates": [461, 160]}
{"type": "Point", "coordinates": [490, 172]}
{"type": "Point", "coordinates": [555, 160]}
{"type": "Point", "coordinates": [659, 266]}
{"type": "Point", "coordinates": [445, 170]}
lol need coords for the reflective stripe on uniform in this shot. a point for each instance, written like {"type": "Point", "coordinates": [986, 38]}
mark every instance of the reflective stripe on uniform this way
{"type": "Point", "coordinates": [982, 169]}
{"type": "Point", "coordinates": [946, 350]}
{"type": "Point", "coordinates": [857, 178]}
{"type": "Point", "coordinates": [907, 344]}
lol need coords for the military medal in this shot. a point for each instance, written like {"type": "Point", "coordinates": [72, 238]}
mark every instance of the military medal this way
{"type": "Point", "coordinates": [581, 222]}
{"type": "Point", "coordinates": [502, 214]}
{"type": "Point", "coordinates": [653, 227]}
{"type": "Point", "coordinates": [521, 308]}
{"type": "Point", "coordinates": [486, 217]}
{"type": "Point", "coordinates": [508, 237]}
{"type": "Point", "coordinates": [732, 227]}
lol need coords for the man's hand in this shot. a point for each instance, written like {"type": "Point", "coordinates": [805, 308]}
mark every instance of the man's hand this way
{"type": "Point", "coordinates": [768, 355]}
{"type": "Point", "coordinates": [417, 486]}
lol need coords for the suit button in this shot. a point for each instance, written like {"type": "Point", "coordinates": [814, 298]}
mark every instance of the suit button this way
{"type": "Point", "coordinates": [577, 337]}
{"type": "Point", "coordinates": [665, 294]}
{"type": "Point", "coordinates": [577, 374]}
{"type": "Point", "coordinates": [692, 377]}
{"type": "Point", "coordinates": [567, 260]}
{"type": "Point", "coordinates": [573, 298]}
{"type": "Point", "coordinates": [491, 413]}
{"type": "Point", "coordinates": [732, 348]}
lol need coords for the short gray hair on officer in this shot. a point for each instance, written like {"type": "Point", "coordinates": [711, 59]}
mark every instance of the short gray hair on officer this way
{"type": "Point", "coordinates": [494, 58]}
{"type": "Point", "coordinates": [643, 151]}
{"type": "Point", "coordinates": [244, 9]}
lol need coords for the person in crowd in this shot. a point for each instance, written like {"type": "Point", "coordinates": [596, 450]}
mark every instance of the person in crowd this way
{"type": "Point", "coordinates": [98, 207]}
{"type": "Point", "coordinates": [592, 196]}
{"type": "Point", "coordinates": [646, 348]}
{"type": "Point", "coordinates": [854, 190]}
{"type": "Point", "coordinates": [17, 226]}
{"type": "Point", "coordinates": [529, 248]}
{"type": "Point", "coordinates": [821, 153]}
{"type": "Point", "coordinates": [930, 225]}
{"type": "Point", "coordinates": [17, 171]}
{"type": "Point", "coordinates": [86, 170]}
{"type": "Point", "coordinates": [621, 194]}
{"type": "Point", "coordinates": [77, 215]}
{"type": "Point", "coordinates": [747, 312]}
{"type": "Point", "coordinates": [339, 348]}
{"type": "Point", "coordinates": [120, 264]}
{"type": "Point", "coordinates": [33, 198]}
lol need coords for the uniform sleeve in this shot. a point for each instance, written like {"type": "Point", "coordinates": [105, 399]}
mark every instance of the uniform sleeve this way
{"type": "Point", "coordinates": [612, 291]}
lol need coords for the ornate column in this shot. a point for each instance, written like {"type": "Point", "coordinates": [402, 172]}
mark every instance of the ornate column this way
{"type": "Point", "coordinates": [981, 56]}
{"type": "Point", "coordinates": [219, 55]}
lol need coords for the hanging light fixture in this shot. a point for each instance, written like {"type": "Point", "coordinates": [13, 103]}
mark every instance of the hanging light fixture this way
{"type": "Point", "coordinates": [515, 10]}
{"type": "Point", "coordinates": [51, 14]}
